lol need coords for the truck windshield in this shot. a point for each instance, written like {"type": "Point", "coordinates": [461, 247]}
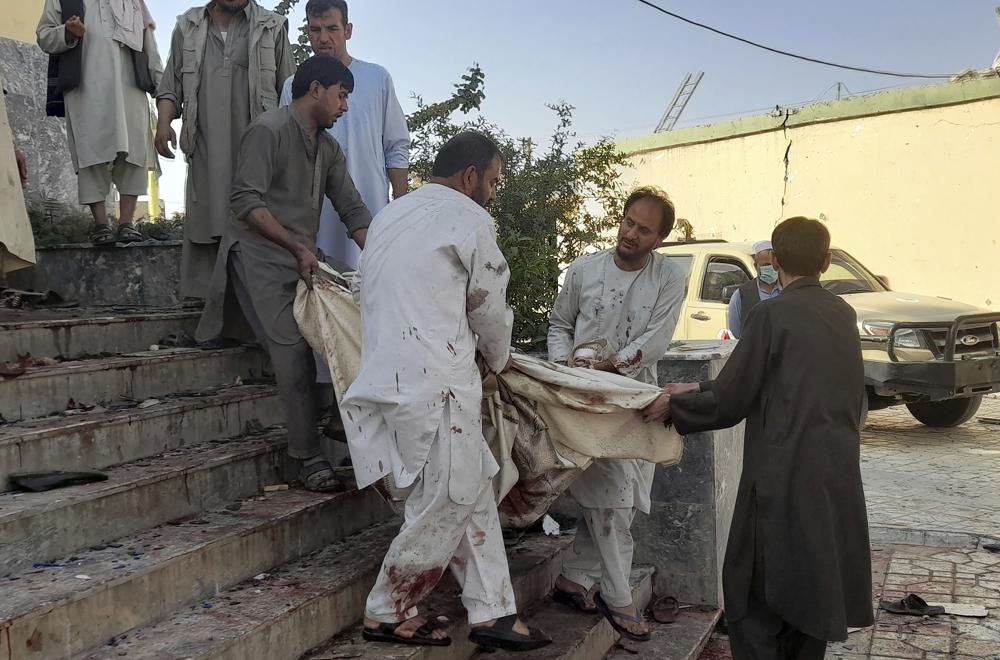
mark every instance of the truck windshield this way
{"type": "Point", "coordinates": [847, 275]}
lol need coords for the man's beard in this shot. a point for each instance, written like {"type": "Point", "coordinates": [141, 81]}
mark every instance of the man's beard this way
{"type": "Point", "coordinates": [229, 9]}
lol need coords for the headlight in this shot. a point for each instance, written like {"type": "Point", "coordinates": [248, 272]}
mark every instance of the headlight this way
{"type": "Point", "coordinates": [880, 330]}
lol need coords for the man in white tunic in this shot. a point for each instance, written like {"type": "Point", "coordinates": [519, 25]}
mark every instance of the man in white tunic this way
{"type": "Point", "coordinates": [433, 304]}
{"type": "Point", "coordinates": [373, 134]}
{"type": "Point", "coordinates": [107, 111]}
{"type": "Point", "coordinates": [629, 296]}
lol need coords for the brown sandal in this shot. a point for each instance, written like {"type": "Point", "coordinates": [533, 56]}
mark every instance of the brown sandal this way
{"type": "Point", "coordinates": [127, 233]}
{"type": "Point", "coordinates": [102, 235]}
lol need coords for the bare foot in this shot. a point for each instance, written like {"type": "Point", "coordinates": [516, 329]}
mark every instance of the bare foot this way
{"type": "Point", "coordinates": [407, 628]}
{"type": "Point", "coordinates": [635, 627]}
{"type": "Point", "coordinates": [565, 584]}
{"type": "Point", "coordinates": [519, 626]}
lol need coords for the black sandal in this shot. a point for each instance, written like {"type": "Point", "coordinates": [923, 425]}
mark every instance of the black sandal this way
{"type": "Point", "coordinates": [912, 605]}
{"type": "Point", "coordinates": [320, 477]}
{"type": "Point", "coordinates": [573, 599]}
{"type": "Point", "coordinates": [127, 233]}
{"type": "Point", "coordinates": [613, 618]}
{"type": "Point", "coordinates": [102, 235]}
{"type": "Point", "coordinates": [386, 632]}
{"type": "Point", "coordinates": [501, 635]}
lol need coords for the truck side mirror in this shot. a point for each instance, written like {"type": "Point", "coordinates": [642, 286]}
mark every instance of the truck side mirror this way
{"type": "Point", "coordinates": [728, 292]}
{"type": "Point", "coordinates": [884, 280]}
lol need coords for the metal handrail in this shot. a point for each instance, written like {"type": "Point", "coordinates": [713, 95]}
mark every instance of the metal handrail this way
{"type": "Point", "coordinates": [953, 328]}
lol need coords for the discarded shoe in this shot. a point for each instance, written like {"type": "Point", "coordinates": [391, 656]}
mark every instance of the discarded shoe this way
{"type": "Point", "coordinates": [912, 605]}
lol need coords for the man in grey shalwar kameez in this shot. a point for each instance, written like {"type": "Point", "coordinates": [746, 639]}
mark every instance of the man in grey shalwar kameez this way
{"type": "Point", "coordinates": [107, 114]}
{"type": "Point", "coordinates": [630, 297]}
{"type": "Point", "coordinates": [227, 63]}
{"type": "Point", "coordinates": [287, 163]}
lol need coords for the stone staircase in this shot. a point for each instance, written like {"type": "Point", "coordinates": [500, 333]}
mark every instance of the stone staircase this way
{"type": "Point", "coordinates": [182, 552]}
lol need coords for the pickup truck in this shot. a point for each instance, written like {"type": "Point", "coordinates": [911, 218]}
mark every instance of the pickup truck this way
{"type": "Point", "coordinates": [936, 356]}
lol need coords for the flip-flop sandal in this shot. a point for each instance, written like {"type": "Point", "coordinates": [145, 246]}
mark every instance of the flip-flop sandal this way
{"type": "Point", "coordinates": [912, 604]}
{"type": "Point", "coordinates": [386, 632]}
{"type": "Point", "coordinates": [613, 618]}
{"type": "Point", "coordinates": [38, 482]}
{"type": "Point", "coordinates": [320, 477]}
{"type": "Point", "coordinates": [573, 599]}
{"type": "Point", "coordinates": [102, 235]}
{"type": "Point", "coordinates": [665, 609]}
{"type": "Point", "coordinates": [501, 635]}
{"type": "Point", "coordinates": [128, 234]}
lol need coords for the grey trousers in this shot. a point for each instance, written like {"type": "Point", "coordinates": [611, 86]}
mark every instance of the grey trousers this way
{"type": "Point", "coordinates": [294, 369]}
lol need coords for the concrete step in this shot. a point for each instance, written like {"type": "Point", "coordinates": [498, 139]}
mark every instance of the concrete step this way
{"type": "Point", "coordinates": [35, 527]}
{"type": "Point", "coordinates": [43, 391]}
{"type": "Point", "coordinates": [97, 439]}
{"type": "Point", "coordinates": [73, 333]}
{"type": "Point", "coordinates": [300, 604]}
{"type": "Point", "coordinates": [684, 639]}
{"type": "Point", "coordinates": [534, 565]}
{"type": "Point", "coordinates": [87, 599]}
{"type": "Point", "coordinates": [577, 636]}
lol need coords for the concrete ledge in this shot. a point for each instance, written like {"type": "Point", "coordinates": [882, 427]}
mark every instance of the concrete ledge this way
{"type": "Point", "coordinates": [76, 333]}
{"type": "Point", "coordinates": [95, 440]}
{"type": "Point", "coordinates": [145, 273]}
{"type": "Point", "coordinates": [303, 603]}
{"type": "Point", "coordinates": [934, 538]}
{"type": "Point", "coordinates": [59, 614]}
{"type": "Point", "coordinates": [42, 391]}
{"type": "Point", "coordinates": [35, 527]}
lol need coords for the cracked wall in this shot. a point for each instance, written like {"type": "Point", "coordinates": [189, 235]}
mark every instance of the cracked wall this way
{"type": "Point", "coordinates": [915, 195]}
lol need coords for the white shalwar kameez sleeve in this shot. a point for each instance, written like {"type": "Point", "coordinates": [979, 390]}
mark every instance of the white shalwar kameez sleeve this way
{"type": "Point", "coordinates": [433, 293]}
{"type": "Point", "coordinates": [636, 313]}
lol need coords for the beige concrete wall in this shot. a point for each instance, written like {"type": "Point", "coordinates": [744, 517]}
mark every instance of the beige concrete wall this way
{"type": "Point", "coordinates": [913, 192]}
{"type": "Point", "coordinates": [20, 17]}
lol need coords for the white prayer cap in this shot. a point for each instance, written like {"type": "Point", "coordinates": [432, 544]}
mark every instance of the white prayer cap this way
{"type": "Point", "coordinates": [761, 246]}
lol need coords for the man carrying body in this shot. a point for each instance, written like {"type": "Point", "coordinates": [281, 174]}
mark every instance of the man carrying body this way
{"type": "Point", "coordinates": [629, 296]}
{"type": "Point", "coordinates": [764, 287]}
{"type": "Point", "coordinates": [373, 135]}
{"type": "Point", "coordinates": [433, 304]}
{"type": "Point", "coordinates": [287, 162]}
{"type": "Point", "coordinates": [797, 570]}
{"type": "Point", "coordinates": [107, 113]}
{"type": "Point", "coordinates": [227, 63]}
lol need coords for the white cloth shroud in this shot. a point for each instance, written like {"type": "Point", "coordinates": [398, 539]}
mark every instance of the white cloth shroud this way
{"type": "Point", "coordinates": [544, 422]}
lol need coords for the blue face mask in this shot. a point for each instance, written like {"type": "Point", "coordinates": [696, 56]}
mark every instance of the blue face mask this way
{"type": "Point", "coordinates": [768, 275]}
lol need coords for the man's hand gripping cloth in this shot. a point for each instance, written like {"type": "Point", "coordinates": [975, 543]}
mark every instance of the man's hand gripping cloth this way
{"type": "Point", "coordinates": [544, 422]}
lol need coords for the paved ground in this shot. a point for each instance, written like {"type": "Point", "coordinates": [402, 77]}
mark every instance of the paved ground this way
{"type": "Point", "coordinates": [940, 575]}
{"type": "Point", "coordinates": [921, 478]}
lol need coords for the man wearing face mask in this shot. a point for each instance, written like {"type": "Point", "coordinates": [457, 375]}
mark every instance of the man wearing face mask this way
{"type": "Point", "coordinates": [764, 287]}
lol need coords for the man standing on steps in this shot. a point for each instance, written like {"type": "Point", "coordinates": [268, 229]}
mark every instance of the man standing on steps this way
{"type": "Point", "coordinates": [629, 296]}
{"type": "Point", "coordinates": [227, 63]}
{"type": "Point", "coordinates": [797, 570]}
{"type": "Point", "coordinates": [107, 61]}
{"type": "Point", "coordinates": [373, 135]}
{"type": "Point", "coordinates": [763, 287]}
{"type": "Point", "coordinates": [433, 305]}
{"type": "Point", "coordinates": [287, 162]}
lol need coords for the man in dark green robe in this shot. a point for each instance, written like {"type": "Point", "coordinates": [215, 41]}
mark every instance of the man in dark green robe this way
{"type": "Point", "coordinates": [797, 571]}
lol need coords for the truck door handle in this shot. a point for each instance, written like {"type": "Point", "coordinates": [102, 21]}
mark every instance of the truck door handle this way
{"type": "Point", "coordinates": [701, 316]}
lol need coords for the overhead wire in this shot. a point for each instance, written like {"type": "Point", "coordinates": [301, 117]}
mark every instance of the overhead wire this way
{"type": "Point", "coordinates": [790, 54]}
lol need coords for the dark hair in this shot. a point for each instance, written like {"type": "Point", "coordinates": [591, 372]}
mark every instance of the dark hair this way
{"type": "Point", "coordinates": [317, 8]}
{"type": "Point", "coordinates": [327, 70]}
{"type": "Point", "coordinates": [468, 148]}
{"type": "Point", "coordinates": [661, 198]}
{"type": "Point", "coordinates": [801, 245]}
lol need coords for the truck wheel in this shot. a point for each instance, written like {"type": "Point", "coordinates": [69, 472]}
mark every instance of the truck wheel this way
{"type": "Point", "coordinates": [951, 412]}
